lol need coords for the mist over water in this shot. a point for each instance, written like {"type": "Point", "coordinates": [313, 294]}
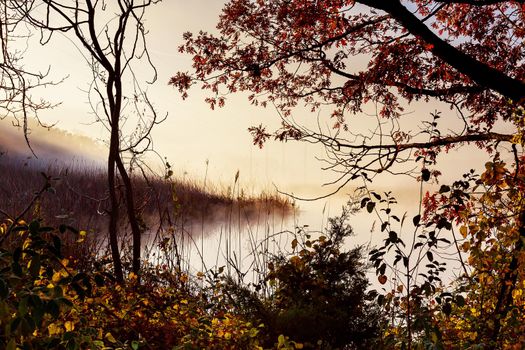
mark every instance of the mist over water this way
{"type": "Point", "coordinates": [207, 232]}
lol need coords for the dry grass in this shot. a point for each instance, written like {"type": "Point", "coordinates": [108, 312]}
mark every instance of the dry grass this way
{"type": "Point", "coordinates": [79, 196]}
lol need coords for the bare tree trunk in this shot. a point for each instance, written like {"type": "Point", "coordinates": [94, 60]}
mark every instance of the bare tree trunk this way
{"type": "Point", "coordinates": [132, 216]}
{"type": "Point", "coordinates": [114, 211]}
{"type": "Point", "coordinates": [111, 56]}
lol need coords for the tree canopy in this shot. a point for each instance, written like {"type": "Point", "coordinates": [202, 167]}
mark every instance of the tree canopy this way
{"type": "Point", "coordinates": [345, 54]}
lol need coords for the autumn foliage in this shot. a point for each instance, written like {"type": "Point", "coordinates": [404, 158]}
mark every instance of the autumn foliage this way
{"type": "Point", "coordinates": [313, 53]}
{"type": "Point", "coordinates": [342, 58]}
{"type": "Point", "coordinates": [449, 276]}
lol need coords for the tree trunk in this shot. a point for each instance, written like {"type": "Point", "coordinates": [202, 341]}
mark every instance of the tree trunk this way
{"type": "Point", "coordinates": [132, 216]}
{"type": "Point", "coordinates": [114, 211]}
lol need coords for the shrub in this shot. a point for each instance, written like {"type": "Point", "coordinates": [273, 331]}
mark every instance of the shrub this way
{"type": "Point", "coordinates": [319, 297]}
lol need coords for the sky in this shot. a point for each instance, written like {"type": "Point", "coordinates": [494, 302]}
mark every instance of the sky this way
{"type": "Point", "coordinates": [193, 135]}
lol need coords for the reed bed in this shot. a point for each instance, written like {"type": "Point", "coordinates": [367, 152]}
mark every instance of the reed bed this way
{"type": "Point", "coordinates": [187, 224]}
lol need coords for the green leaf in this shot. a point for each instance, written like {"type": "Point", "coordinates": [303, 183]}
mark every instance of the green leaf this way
{"type": "Point", "coordinates": [425, 174]}
{"type": "Point", "coordinates": [34, 227]}
{"type": "Point", "coordinates": [57, 244]}
{"type": "Point", "coordinates": [34, 268]}
{"type": "Point", "coordinates": [460, 301]}
{"type": "Point", "coordinates": [392, 236]}
{"type": "Point", "coordinates": [52, 308]}
{"type": "Point", "coordinates": [4, 289]}
{"type": "Point", "coordinates": [416, 220]}
{"type": "Point", "coordinates": [15, 323]}
{"type": "Point", "coordinates": [79, 290]}
{"type": "Point", "coordinates": [444, 189]}
{"type": "Point", "coordinates": [28, 325]}
{"type": "Point", "coordinates": [370, 206]}
{"type": "Point", "coordinates": [99, 280]}
{"type": "Point", "coordinates": [17, 254]}
{"type": "Point", "coordinates": [135, 345]}
{"type": "Point", "coordinates": [22, 306]}
{"type": "Point", "coordinates": [396, 260]}
{"type": "Point", "coordinates": [447, 308]}
{"type": "Point", "coordinates": [382, 269]}
{"type": "Point", "coordinates": [17, 269]}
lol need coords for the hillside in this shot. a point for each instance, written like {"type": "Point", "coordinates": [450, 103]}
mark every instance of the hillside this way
{"type": "Point", "coordinates": [49, 144]}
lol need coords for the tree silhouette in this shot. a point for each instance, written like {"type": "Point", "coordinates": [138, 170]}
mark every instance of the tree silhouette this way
{"type": "Point", "coordinates": [113, 36]}
{"type": "Point", "coordinates": [17, 82]}
{"type": "Point", "coordinates": [345, 55]}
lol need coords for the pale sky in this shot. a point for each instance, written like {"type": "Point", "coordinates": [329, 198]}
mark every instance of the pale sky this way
{"type": "Point", "coordinates": [193, 133]}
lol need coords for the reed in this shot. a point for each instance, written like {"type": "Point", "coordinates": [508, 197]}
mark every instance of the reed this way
{"type": "Point", "coordinates": [178, 214]}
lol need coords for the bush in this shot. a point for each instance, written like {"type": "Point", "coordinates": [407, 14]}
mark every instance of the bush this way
{"type": "Point", "coordinates": [46, 303]}
{"type": "Point", "coordinates": [319, 297]}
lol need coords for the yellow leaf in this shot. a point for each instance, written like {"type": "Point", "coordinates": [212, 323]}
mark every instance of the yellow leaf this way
{"type": "Point", "coordinates": [11, 345]}
{"type": "Point", "coordinates": [295, 260]}
{"type": "Point", "coordinates": [54, 329]}
{"type": "Point", "coordinates": [82, 236]}
{"type": "Point", "coordinates": [299, 345]}
{"type": "Point", "coordinates": [70, 326]}
{"type": "Point", "coordinates": [434, 338]}
{"type": "Point", "coordinates": [463, 231]}
{"type": "Point", "coordinates": [110, 338]}
{"type": "Point", "coordinates": [56, 277]}
{"type": "Point", "coordinates": [27, 243]}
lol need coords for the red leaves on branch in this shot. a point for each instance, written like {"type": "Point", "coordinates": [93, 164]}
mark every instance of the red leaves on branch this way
{"type": "Point", "coordinates": [259, 135]}
{"type": "Point", "coordinates": [345, 54]}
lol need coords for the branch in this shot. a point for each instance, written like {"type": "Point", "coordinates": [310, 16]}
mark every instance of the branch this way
{"type": "Point", "coordinates": [319, 45]}
{"type": "Point", "coordinates": [477, 71]}
{"type": "Point", "coordinates": [450, 140]}
{"type": "Point", "coordinates": [478, 2]}
{"type": "Point", "coordinates": [451, 90]}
